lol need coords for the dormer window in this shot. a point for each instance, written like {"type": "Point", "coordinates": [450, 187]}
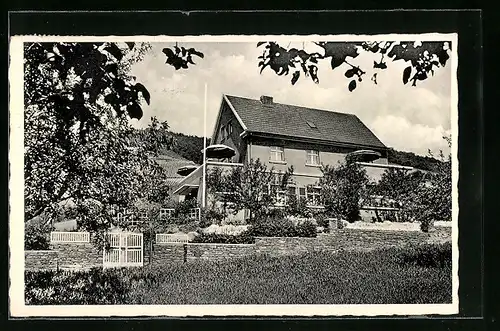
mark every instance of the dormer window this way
{"type": "Point", "coordinates": [311, 125]}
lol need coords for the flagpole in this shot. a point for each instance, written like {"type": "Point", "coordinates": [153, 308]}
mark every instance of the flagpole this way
{"type": "Point", "coordinates": [203, 201]}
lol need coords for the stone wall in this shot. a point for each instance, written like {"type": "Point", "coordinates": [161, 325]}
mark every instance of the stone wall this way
{"type": "Point", "coordinates": [166, 253]}
{"type": "Point", "coordinates": [40, 260]}
{"type": "Point", "coordinates": [85, 255]}
{"type": "Point", "coordinates": [218, 251]}
{"type": "Point", "coordinates": [365, 240]}
{"type": "Point", "coordinates": [77, 255]}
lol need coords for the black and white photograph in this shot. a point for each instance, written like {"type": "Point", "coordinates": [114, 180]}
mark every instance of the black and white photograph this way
{"type": "Point", "coordinates": [234, 175]}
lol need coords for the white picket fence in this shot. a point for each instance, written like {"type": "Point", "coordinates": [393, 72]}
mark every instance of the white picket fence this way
{"type": "Point", "coordinates": [69, 237]}
{"type": "Point", "coordinates": [125, 250]}
{"type": "Point", "coordinates": [164, 238]}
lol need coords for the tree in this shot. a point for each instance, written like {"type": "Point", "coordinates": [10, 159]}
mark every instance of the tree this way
{"type": "Point", "coordinates": [435, 195]}
{"type": "Point", "coordinates": [249, 187]}
{"type": "Point", "coordinates": [423, 59]}
{"type": "Point", "coordinates": [396, 189]}
{"type": "Point", "coordinates": [78, 101]}
{"type": "Point", "coordinates": [343, 190]}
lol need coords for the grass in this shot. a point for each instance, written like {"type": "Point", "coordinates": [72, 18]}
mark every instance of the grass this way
{"type": "Point", "coordinates": [390, 276]}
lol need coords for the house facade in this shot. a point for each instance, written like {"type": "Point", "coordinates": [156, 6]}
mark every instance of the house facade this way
{"type": "Point", "coordinates": [282, 135]}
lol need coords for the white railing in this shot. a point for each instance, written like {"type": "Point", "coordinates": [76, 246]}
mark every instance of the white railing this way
{"type": "Point", "coordinates": [69, 237]}
{"type": "Point", "coordinates": [167, 213]}
{"type": "Point", "coordinates": [164, 238]}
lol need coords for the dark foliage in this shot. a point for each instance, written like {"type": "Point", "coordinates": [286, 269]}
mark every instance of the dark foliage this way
{"type": "Point", "coordinates": [181, 57]}
{"type": "Point", "coordinates": [409, 159]}
{"type": "Point", "coordinates": [37, 236]}
{"type": "Point", "coordinates": [282, 227]}
{"type": "Point", "coordinates": [188, 146]}
{"type": "Point", "coordinates": [92, 287]}
{"type": "Point", "coordinates": [428, 256]}
{"type": "Point", "coordinates": [216, 238]}
{"type": "Point", "coordinates": [423, 58]}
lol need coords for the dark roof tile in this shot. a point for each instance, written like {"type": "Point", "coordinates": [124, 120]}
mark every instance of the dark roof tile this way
{"type": "Point", "coordinates": [290, 120]}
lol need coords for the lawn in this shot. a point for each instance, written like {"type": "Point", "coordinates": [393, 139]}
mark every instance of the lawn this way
{"type": "Point", "coordinates": [390, 276]}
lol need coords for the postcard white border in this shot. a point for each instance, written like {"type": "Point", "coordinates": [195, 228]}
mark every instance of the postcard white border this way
{"type": "Point", "coordinates": [16, 199]}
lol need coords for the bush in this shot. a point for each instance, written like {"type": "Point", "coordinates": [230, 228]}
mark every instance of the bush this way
{"type": "Point", "coordinates": [37, 236]}
{"type": "Point", "coordinates": [83, 287]}
{"type": "Point", "coordinates": [428, 255]}
{"type": "Point", "coordinates": [211, 216]}
{"type": "Point", "coordinates": [218, 238]}
{"type": "Point", "coordinates": [322, 220]}
{"type": "Point", "coordinates": [281, 227]}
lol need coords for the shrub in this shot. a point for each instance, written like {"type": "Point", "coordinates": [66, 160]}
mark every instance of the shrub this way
{"type": "Point", "coordinates": [322, 220]}
{"type": "Point", "coordinates": [83, 287]}
{"type": "Point", "coordinates": [428, 255]}
{"type": "Point", "coordinates": [219, 238]}
{"type": "Point", "coordinates": [36, 236]}
{"type": "Point", "coordinates": [281, 227]}
{"type": "Point", "coordinates": [211, 216]}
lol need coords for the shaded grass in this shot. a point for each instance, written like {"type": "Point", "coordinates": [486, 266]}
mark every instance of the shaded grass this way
{"type": "Point", "coordinates": [389, 276]}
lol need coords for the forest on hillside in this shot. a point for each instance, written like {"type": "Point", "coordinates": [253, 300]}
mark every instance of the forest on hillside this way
{"type": "Point", "coordinates": [190, 147]}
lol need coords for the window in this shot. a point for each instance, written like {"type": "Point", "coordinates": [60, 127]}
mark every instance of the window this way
{"type": "Point", "coordinates": [312, 157]}
{"type": "Point", "coordinates": [166, 213]}
{"type": "Point", "coordinates": [229, 129]}
{"type": "Point", "coordinates": [313, 196]}
{"type": "Point", "coordinates": [222, 133]}
{"type": "Point", "coordinates": [277, 154]}
{"type": "Point", "coordinates": [276, 190]}
{"type": "Point", "coordinates": [302, 193]}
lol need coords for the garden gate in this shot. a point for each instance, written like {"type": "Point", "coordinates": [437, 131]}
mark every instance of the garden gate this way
{"type": "Point", "coordinates": [125, 250]}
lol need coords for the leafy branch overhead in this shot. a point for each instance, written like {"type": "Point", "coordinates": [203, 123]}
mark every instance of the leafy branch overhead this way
{"type": "Point", "coordinates": [423, 59]}
{"type": "Point", "coordinates": [180, 57]}
{"type": "Point", "coordinates": [72, 78]}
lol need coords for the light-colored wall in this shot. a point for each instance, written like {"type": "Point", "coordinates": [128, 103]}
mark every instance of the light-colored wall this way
{"type": "Point", "coordinates": [296, 155]}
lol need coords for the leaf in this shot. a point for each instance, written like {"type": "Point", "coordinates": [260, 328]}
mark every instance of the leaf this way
{"type": "Point", "coordinates": [134, 111]}
{"type": "Point", "coordinates": [351, 72]}
{"type": "Point", "coordinates": [130, 45]}
{"type": "Point", "coordinates": [336, 62]}
{"type": "Point", "coordinates": [295, 77]}
{"type": "Point", "coordinates": [195, 52]}
{"type": "Point", "coordinates": [381, 65]}
{"type": "Point", "coordinates": [443, 57]}
{"type": "Point", "coordinates": [352, 85]}
{"type": "Point", "coordinates": [111, 68]}
{"type": "Point", "coordinates": [260, 43]}
{"type": "Point", "coordinates": [112, 49]}
{"type": "Point", "coordinates": [145, 93]}
{"type": "Point", "coordinates": [168, 52]}
{"type": "Point", "coordinates": [183, 50]}
{"type": "Point", "coordinates": [406, 74]}
{"type": "Point", "coordinates": [313, 71]}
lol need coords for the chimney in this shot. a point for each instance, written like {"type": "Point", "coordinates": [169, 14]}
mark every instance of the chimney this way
{"type": "Point", "coordinates": [266, 100]}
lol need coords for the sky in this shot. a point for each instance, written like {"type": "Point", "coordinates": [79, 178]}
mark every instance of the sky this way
{"type": "Point", "coordinates": [404, 117]}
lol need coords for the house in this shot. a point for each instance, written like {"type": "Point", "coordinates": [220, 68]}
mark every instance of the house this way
{"type": "Point", "coordinates": [283, 135]}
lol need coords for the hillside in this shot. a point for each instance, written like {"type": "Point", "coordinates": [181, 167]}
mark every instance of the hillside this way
{"type": "Point", "coordinates": [190, 148]}
{"type": "Point", "coordinates": [410, 159]}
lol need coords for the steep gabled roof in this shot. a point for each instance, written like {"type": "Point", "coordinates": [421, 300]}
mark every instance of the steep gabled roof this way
{"type": "Point", "coordinates": [295, 121]}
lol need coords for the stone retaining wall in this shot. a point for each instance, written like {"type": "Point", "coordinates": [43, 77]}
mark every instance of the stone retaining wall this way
{"type": "Point", "coordinates": [167, 253]}
{"type": "Point", "coordinates": [40, 260]}
{"type": "Point", "coordinates": [218, 251]}
{"type": "Point", "coordinates": [85, 255]}
{"type": "Point", "coordinates": [77, 255]}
